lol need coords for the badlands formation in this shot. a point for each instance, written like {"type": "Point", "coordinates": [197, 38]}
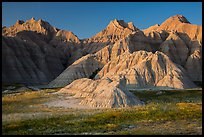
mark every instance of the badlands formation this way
{"type": "Point", "coordinates": [102, 69]}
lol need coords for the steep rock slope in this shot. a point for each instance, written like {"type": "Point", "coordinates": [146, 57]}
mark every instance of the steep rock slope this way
{"type": "Point", "coordinates": [69, 44]}
{"type": "Point", "coordinates": [81, 68]}
{"type": "Point", "coordinates": [116, 30]}
{"type": "Point", "coordinates": [180, 40]}
{"type": "Point", "coordinates": [39, 26]}
{"type": "Point", "coordinates": [28, 55]}
{"type": "Point", "coordinates": [28, 63]}
{"type": "Point", "coordinates": [140, 69]}
{"type": "Point", "coordinates": [133, 42]}
{"type": "Point", "coordinates": [146, 69]}
{"type": "Point", "coordinates": [51, 50]}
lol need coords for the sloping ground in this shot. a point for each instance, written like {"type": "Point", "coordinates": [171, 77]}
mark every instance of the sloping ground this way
{"type": "Point", "coordinates": [102, 93]}
{"type": "Point", "coordinates": [167, 113]}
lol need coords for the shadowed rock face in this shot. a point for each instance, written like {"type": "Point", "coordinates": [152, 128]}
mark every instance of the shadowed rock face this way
{"type": "Point", "coordinates": [29, 55]}
{"type": "Point", "coordinates": [29, 63]}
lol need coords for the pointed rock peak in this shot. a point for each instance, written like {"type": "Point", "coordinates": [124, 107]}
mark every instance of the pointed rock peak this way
{"type": "Point", "coordinates": [118, 23]}
{"type": "Point", "coordinates": [179, 18]}
{"type": "Point", "coordinates": [40, 20]}
{"type": "Point", "coordinates": [156, 25]}
{"type": "Point", "coordinates": [151, 28]}
{"type": "Point", "coordinates": [131, 26]}
{"type": "Point", "coordinates": [19, 22]}
{"type": "Point", "coordinates": [122, 24]}
{"type": "Point", "coordinates": [32, 18]}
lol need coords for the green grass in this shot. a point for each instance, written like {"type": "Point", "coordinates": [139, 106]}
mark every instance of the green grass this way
{"type": "Point", "coordinates": [22, 102]}
{"type": "Point", "coordinates": [171, 96]}
{"type": "Point", "coordinates": [173, 112]}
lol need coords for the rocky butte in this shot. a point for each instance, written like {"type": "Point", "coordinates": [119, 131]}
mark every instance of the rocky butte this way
{"type": "Point", "coordinates": [102, 69]}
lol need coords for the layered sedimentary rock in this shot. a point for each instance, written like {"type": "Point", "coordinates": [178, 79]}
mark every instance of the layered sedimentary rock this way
{"type": "Point", "coordinates": [179, 39]}
{"type": "Point", "coordinates": [28, 63]}
{"type": "Point", "coordinates": [180, 24]}
{"type": "Point", "coordinates": [140, 69]}
{"type": "Point", "coordinates": [175, 48]}
{"type": "Point", "coordinates": [169, 42]}
{"type": "Point", "coordinates": [50, 50]}
{"type": "Point", "coordinates": [116, 30]}
{"type": "Point", "coordinates": [102, 93]}
{"type": "Point", "coordinates": [133, 42]}
{"type": "Point", "coordinates": [194, 66]}
{"type": "Point", "coordinates": [39, 26]}
{"type": "Point", "coordinates": [29, 55]}
{"type": "Point", "coordinates": [146, 69]}
{"type": "Point", "coordinates": [69, 44]}
{"type": "Point", "coordinates": [82, 68]}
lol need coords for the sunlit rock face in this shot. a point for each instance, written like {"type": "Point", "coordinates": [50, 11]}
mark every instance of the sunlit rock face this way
{"type": "Point", "coordinates": [89, 64]}
{"type": "Point", "coordinates": [81, 68]}
{"type": "Point", "coordinates": [103, 93]}
{"type": "Point", "coordinates": [116, 30]}
{"type": "Point", "coordinates": [34, 52]}
{"type": "Point", "coordinates": [181, 41]}
{"type": "Point", "coordinates": [144, 69]}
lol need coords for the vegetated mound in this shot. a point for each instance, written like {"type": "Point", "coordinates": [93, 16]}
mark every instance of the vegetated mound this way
{"type": "Point", "coordinates": [103, 93]}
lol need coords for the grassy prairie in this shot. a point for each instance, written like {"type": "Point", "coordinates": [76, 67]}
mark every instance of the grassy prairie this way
{"type": "Point", "coordinates": [169, 112]}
